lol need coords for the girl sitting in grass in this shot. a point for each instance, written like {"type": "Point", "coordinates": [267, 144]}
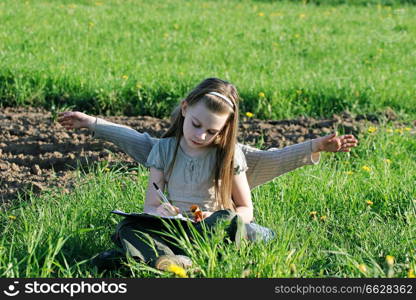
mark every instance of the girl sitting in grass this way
{"type": "Point", "coordinates": [199, 162]}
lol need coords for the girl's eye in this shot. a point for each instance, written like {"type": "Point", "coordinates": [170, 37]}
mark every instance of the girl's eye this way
{"type": "Point", "coordinates": [211, 132]}
{"type": "Point", "coordinates": [195, 125]}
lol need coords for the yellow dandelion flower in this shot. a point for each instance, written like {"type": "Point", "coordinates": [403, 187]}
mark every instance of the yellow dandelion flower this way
{"type": "Point", "coordinates": [302, 16]}
{"type": "Point", "coordinates": [11, 217]}
{"type": "Point", "coordinates": [177, 270]}
{"type": "Point", "coordinates": [372, 129]}
{"type": "Point", "coordinates": [349, 172]}
{"type": "Point", "coordinates": [106, 170]}
{"type": "Point", "coordinates": [125, 77]}
{"type": "Point", "coordinates": [98, 3]}
{"type": "Point", "coordinates": [323, 218]}
{"type": "Point", "coordinates": [369, 202]}
{"type": "Point", "coordinates": [262, 95]}
{"type": "Point", "coordinates": [387, 161]}
{"type": "Point", "coordinates": [313, 214]}
{"type": "Point", "coordinates": [138, 86]}
{"type": "Point", "coordinates": [389, 130]}
{"type": "Point", "coordinates": [261, 14]}
{"type": "Point", "coordinates": [411, 273]}
{"type": "Point", "coordinates": [408, 129]}
{"type": "Point", "coordinates": [362, 268]}
{"type": "Point", "coordinates": [399, 130]}
{"type": "Point", "coordinates": [390, 260]}
{"type": "Point", "coordinates": [249, 114]}
{"type": "Point", "coordinates": [366, 168]}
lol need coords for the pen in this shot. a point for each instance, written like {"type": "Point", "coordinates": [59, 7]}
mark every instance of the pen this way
{"type": "Point", "coordinates": [162, 196]}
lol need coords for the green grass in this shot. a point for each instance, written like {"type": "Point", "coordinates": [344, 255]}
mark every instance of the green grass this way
{"type": "Point", "coordinates": [54, 235]}
{"type": "Point", "coordinates": [141, 57]}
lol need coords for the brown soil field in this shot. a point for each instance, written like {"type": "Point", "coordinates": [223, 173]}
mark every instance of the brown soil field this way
{"type": "Point", "coordinates": [37, 153]}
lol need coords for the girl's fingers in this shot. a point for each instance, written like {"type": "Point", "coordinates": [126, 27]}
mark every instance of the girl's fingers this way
{"type": "Point", "coordinates": [169, 209]}
{"type": "Point", "coordinates": [61, 119]}
{"type": "Point", "coordinates": [348, 145]}
{"type": "Point", "coordinates": [177, 210]}
{"type": "Point", "coordinates": [64, 123]}
{"type": "Point", "coordinates": [349, 138]}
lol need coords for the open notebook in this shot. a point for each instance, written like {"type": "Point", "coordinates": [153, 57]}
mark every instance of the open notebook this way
{"type": "Point", "coordinates": [139, 215]}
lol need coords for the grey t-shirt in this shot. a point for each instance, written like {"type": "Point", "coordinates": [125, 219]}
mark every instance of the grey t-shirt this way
{"type": "Point", "coordinates": [192, 178]}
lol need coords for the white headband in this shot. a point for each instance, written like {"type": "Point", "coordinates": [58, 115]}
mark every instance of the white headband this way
{"type": "Point", "coordinates": [222, 97]}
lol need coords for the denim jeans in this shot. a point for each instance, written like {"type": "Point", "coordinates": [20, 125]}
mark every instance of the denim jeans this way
{"type": "Point", "coordinates": [136, 237]}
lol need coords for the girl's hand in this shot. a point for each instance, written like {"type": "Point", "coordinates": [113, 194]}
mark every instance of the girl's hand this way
{"type": "Point", "coordinates": [334, 143]}
{"type": "Point", "coordinates": [167, 210]}
{"type": "Point", "coordinates": [75, 119]}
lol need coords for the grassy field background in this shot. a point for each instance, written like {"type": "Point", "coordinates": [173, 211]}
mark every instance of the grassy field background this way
{"type": "Point", "coordinates": [141, 57]}
{"type": "Point", "coordinates": [353, 215]}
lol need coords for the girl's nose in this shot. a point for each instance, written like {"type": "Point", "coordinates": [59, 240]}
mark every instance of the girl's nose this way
{"type": "Point", "coordinates": [201, 135]}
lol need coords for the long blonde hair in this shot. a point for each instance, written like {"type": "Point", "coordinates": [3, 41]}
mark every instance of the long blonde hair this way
{"type": "Point", "coordinates": [226, 140]}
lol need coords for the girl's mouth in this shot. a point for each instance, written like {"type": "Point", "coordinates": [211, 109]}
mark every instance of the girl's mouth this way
{"type": "Point", "coordinates": [199, 144]}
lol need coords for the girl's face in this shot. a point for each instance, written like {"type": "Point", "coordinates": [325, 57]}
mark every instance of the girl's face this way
{"type": "Point", "coordinates": [201, 126]}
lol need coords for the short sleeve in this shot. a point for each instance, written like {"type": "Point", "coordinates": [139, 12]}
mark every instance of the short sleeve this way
{"type": "Point", "coordinates": [240, 163]}
{"type": "Point", "coordinates": [156, 156]}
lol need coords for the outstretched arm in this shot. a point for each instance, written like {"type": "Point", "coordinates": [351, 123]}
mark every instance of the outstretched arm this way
{"type": "Point", "coordinates": [266, 165]}
{"type": "Point", "coordinates": [132, 142]}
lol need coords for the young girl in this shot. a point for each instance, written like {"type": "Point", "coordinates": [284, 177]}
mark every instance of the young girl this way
{"type": "Point", "coordinates": [199, 162]}
{"type": "Point", "coordinates": [202, 143]}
